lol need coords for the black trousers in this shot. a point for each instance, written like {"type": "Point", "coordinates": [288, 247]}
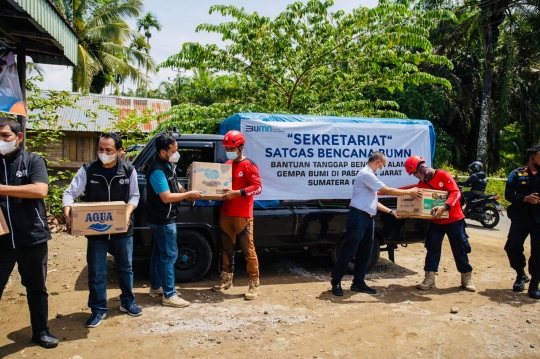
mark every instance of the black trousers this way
{"type": "Point", "coordinates": [520, 228]}
{"type": "Point", "coordinates": [32, 264]}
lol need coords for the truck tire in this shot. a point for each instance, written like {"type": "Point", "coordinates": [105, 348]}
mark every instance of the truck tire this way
{"type": "Point", "coordinates": [375, 253]}
{"type": "Point", "coordinates": [194, 256]}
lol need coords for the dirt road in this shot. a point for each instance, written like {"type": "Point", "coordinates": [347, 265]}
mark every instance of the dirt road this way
{"type": "Point", "coordinates": [296, 316]}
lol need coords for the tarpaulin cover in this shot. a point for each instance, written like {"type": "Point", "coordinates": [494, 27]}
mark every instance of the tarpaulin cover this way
{"type": "Point", "coordinates": [303, 157]}
{"type": "Point", "coordinates": [11, 98]}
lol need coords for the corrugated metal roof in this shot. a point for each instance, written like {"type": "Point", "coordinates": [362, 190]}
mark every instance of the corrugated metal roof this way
{"type": "Point", "coordinates": [75, 118]}
{"type": "Point", "coordinates": [47, 16]}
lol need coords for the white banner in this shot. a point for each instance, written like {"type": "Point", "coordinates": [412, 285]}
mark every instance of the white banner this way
{"type": "Point", "coordinates": [319, 160]}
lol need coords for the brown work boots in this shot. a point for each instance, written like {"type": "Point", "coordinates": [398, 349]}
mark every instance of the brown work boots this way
{"type": "Point", "coordinates": [253, 290]}
{"type": "Point", "coordinates": [466, 282]}
{"type": "Point", "coordinates": [429, 281]}
{"type": "Point", "coordinates": [226, 282]}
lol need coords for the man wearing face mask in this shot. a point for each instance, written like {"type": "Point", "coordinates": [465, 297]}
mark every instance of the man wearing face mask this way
{"type": "Point", "coordinates": [23, 186]}
{"type": "Point", "coordinates": [107, 179]}
{"type": "Point", "coordinates": [164, 193]}
{"type": "Point", "coordinates": [360, 224]}
{"type": "Point", "coordinates": [236, 219]}
{"type": "Point", "coordinates": [521, 190]}
{"type": "Point", "coordinates": [453, 226]}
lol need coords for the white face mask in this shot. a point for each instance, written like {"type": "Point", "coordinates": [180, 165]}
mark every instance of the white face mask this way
{"type": "Point", "coordinates": [378, 171]}
{"type": "Point", "coordinates": [7, 147]}
{"type": "Point", "coordinates": [174, 158]}
{"type": "Point", "coordinates": [105, 158]}
{"type": "Point", "coordinates": [231, 155]}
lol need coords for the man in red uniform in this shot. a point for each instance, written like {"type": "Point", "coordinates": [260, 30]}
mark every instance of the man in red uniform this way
{"type": "Point", "coordinates": [453, 226]}
{"type": "Point", "coordinates": [236, 220]}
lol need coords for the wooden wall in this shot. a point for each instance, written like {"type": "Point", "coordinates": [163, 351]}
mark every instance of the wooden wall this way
{"type": "Point", "coordinates": [76, 148]}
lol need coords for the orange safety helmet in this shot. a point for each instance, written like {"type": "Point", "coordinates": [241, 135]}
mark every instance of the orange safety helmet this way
{"type": "Point", "coordinates": [411, 163]}
{"type": "Point", "coordinates": [233, 138]}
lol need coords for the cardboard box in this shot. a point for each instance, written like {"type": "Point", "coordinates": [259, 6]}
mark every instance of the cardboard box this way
{"type": "Point", "coordinates": [4, 229]}
{"type": "Point", "coordinates": [210, 179]}
{"type": "Point", "coordinates": [409, 206]}
{"type": "Point", "coordinates": [97, 218]}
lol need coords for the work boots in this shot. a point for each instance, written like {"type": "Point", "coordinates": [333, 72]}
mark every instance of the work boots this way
{"type": "Point", "coordinates": [429, 281]}
{"type": "Point", "coordinates": [533, 291]}
{"type": "Point", "coordinates": [253, 290]}
{"type": "Point", "coordinates": [226, 282]}
{"type": "Point", "coordinates": [466, 282]}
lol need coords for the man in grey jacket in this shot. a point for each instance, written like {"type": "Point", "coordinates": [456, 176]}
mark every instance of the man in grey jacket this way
{"type": "Point", "coordinates": [107, 179]}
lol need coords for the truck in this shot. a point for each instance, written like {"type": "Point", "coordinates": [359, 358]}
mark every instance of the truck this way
{"type": "Point", "coordinates": [306, 185]}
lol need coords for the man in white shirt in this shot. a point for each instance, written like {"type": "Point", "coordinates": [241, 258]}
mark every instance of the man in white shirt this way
{"type": "Point", "coordinates": [360, 224]}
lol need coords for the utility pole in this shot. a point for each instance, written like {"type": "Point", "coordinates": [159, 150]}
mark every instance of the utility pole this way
{"type": "Point", "coordinates": [178, 78]}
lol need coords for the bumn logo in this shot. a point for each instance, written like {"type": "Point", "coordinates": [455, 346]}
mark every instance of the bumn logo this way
{"type": "Point", "coordinates": [250, 128]}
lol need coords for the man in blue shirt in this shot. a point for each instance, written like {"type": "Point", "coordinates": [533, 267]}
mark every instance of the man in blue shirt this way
{"type": "Point", "coordinates": [164, 193]}
{"type": "Point", "coordinates": [360, 224]}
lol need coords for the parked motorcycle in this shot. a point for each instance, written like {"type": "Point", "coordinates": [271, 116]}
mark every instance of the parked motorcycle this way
{"type": "Point", "coordinates": [484, 209]}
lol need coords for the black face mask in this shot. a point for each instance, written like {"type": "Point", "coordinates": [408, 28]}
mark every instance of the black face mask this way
{"type": "Point", "coordinates": [536, 165]}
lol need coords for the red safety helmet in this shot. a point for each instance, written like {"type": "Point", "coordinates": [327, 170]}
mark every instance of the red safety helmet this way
{"type": "Point", "coordinates": [411, 163]}
{"type": "Point", "coordinates": [233, 138]}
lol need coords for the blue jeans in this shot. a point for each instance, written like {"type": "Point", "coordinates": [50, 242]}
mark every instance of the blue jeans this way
{"type": "Point", "coordinates": [459, 243]}
{"type": "Point", "coordinates": [359, 241]}
{"type": "Point", "coordinates": [164, 255]}
{"type": "Point", "coordinates": [96, 257]}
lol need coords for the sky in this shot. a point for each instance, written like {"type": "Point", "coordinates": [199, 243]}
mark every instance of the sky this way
{"type": "Point", "coordinates": [179, 18]}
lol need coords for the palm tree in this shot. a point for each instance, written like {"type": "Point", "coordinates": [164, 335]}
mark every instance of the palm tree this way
{"type": "Point", "coordinates": [494, 50]}
{"type": "Point", "coordinates": [32, 67]}
{"type": "Point", "coordinates": [139, 43]}
{"type": "Point", "coordinates": [148, 22]}
{"type": "Point", "coordinates": [103, 47]}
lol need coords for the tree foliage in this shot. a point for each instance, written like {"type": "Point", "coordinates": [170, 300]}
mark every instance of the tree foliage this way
{"type": "Point", "coordinates": [104, 53]}
{"type": "Point", "coordinates": [492, 110]}
{"type": "Point", "coordinates": [311, 60]}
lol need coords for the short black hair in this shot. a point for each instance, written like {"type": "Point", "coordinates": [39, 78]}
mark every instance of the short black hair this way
{"type": "Point", "coordinates": [533, 151]}
{"type": "Point", "coordinates": [376, 156]}
{"type": "Point", "coordinates": [164, 141]}
{"type": "Point", "coordinates": [115, 137]}
{"type": "Point", "coordinates": [13, 125]}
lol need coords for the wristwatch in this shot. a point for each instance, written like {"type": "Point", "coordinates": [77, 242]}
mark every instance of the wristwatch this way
{"type": "Point", "coordinates": [447, 206]}
{"type": "Point", "coordinates": [391, 211]}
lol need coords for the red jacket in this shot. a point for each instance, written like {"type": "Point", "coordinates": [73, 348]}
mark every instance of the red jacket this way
{"type": "Point", "coordinates": [443, 181]}
{"type": "Point", "coordinates": [246, 178]}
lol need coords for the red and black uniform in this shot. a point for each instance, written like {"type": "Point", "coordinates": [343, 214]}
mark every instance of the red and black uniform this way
{"type": "Point", "coordinates": [453, 226]}
{"type": "Point", "coordinates": [443, 181]}
{"type": "Point", "coordinates": [236, 220]}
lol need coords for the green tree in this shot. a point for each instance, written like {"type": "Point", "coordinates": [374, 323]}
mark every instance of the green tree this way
{"type": "Point", "coordinates": [139, 43]}
{"type": "Point", "coordinates": [494, 97]}
{"type": "Point", "coordinates": [104, 41]}
{"type": "Point", "coordinates": [148, 22]}
{"type": "Point", "coordinates": [311, 60]}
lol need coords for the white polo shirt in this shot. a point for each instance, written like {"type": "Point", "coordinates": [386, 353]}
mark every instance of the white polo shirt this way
{"type": "Point", "coordinates": [365, 188]}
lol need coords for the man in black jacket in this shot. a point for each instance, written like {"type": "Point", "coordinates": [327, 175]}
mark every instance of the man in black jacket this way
{"type": "Point", "coordinates": [522, 190]}
{"type": "Point", "coordinates": [107, 179]}
{"type": "Point", "coordinates": [477, 181]}
{"type": "Point", "coordinates": [23, 186]}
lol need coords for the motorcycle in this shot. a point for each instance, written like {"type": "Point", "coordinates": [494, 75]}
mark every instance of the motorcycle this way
{"type": "Point", "coordinates": [484, 209]}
